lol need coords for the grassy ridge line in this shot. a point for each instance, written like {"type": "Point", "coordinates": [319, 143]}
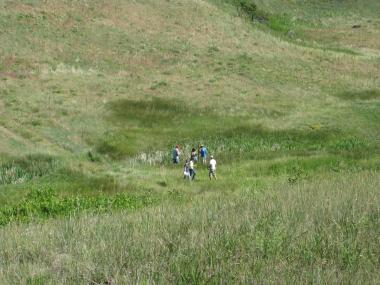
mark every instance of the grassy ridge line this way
{"type": "Point", "coordinates": [314, 9]}
{"type": "Point", "coordinates": [316, 24]}
{"type": "Point", "coordinates": [317, 8]}
{"type": "Point", "coordinates": [325, 230]}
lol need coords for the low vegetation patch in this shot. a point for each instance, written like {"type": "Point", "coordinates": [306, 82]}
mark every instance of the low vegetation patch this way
{"type": "Point", "coordinates": [279, 23]}
{"type": "Point", "coordinates": [20, 170]}
{"type": "Point", "coordinates": [44, 202]}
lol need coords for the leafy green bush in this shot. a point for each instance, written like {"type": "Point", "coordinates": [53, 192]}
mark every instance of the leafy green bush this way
{"type": "Point", "coordinates": [277, 22]}
{"type": "Point", "coordinates": [249, 9]}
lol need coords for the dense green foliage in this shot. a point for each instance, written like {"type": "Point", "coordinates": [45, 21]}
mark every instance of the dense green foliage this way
{"type": "Point", "coordinates": [43, 202]}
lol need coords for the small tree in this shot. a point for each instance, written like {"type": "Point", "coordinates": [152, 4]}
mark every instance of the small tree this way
{"type": "Point", "coordinates": [247, 7]}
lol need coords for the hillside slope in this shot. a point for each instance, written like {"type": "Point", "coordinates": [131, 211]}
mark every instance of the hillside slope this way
{"type": "Point", "coordinates": [63, 62]}
{"type": "Point", "coordinates": [95, 94]}
{"type": "Point", "coordinates": [101, 86]}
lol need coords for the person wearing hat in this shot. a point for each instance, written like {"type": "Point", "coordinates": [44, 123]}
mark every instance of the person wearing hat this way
{"type": "Point", "coordinates": [212, 168]}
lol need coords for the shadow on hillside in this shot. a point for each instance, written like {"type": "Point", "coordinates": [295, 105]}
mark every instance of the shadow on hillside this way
{"type": "Point", "coordinates": [359, 95]}
{"type": "Point", "coordinates": [158, 124]}
{"type": "Point", "coordinates": [150, 113]}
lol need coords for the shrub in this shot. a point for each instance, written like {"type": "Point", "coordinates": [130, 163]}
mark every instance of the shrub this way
{"type": "Point", "coordinates": [249, 8]}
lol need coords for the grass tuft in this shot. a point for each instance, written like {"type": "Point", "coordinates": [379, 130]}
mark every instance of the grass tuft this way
{"type": "Point", "coordinates": [20, 170]}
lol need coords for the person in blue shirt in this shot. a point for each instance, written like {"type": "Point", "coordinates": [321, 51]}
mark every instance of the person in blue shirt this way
{"type": "Point", "coordinates": [203, 152]}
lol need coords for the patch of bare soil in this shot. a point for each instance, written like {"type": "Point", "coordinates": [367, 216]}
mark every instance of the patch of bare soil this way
{"type": "Point", "coordinates": [8, 75]}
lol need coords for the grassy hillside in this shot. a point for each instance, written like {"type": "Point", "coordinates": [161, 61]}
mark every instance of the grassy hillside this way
{"type": "Point", "coordinates": [95, 94]}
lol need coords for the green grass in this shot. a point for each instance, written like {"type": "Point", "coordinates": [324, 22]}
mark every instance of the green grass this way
{"type": "Point", "coordinates": [94, 96]}
{"type": "Point", "coordinates": [325, 230]}
{"type": "Point", "coordinates": [20, 170]}
{"type": "Point", "coordinates": [43, 202]}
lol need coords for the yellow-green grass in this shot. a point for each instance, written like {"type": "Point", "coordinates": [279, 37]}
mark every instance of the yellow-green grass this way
{"type": "Point", "coordinates": [101, 86]}
{"type": "Point", "coordinates": [321, 231]}
{"type": "Point", "coordinates": [119, 80]}
{"type": "Point", "coordinates": [203, 56]}
{"type": "Point", "coordinates": [94, 95]}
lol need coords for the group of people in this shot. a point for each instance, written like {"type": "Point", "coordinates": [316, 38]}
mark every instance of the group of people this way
{"type": "Point", "coordinates": [201, 154]}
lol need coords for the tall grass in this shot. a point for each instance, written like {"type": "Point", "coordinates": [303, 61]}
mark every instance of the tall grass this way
{"type": "Point", "coordinates": [110, 87]}
{"type": "Point", "coordinates": [20, 170]}
{"type": "Point", "coordinates": [323, 231]}
{"type": "Point", "coordinates": [44, 202]}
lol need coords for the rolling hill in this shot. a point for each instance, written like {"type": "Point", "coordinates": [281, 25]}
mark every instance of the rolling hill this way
{"type": "Point", "coordinates": [94, 95]}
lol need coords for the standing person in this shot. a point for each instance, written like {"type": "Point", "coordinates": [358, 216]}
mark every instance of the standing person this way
{"type": "Point", "coordinates": [192, 169]}
{"type": "Point", "coordinates": [186, 170]}
{"type": "Point", "coordinates": [193, 155]}
{"type": "Point", "coordinates": [212, 168]}
{"type": "Point", "coordinates": [176, 154]}
{"type": "Point", "coordinates": [204, 153]}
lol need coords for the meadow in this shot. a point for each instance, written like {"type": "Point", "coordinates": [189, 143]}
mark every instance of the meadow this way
{"type": "Point", "coordinates": [319, 231]}
{"type": "Point", "coordinates": [95, 94]}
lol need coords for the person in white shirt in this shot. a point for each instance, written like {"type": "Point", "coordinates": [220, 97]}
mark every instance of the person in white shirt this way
{"type": "Point", "coordinates": [212, 168]}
